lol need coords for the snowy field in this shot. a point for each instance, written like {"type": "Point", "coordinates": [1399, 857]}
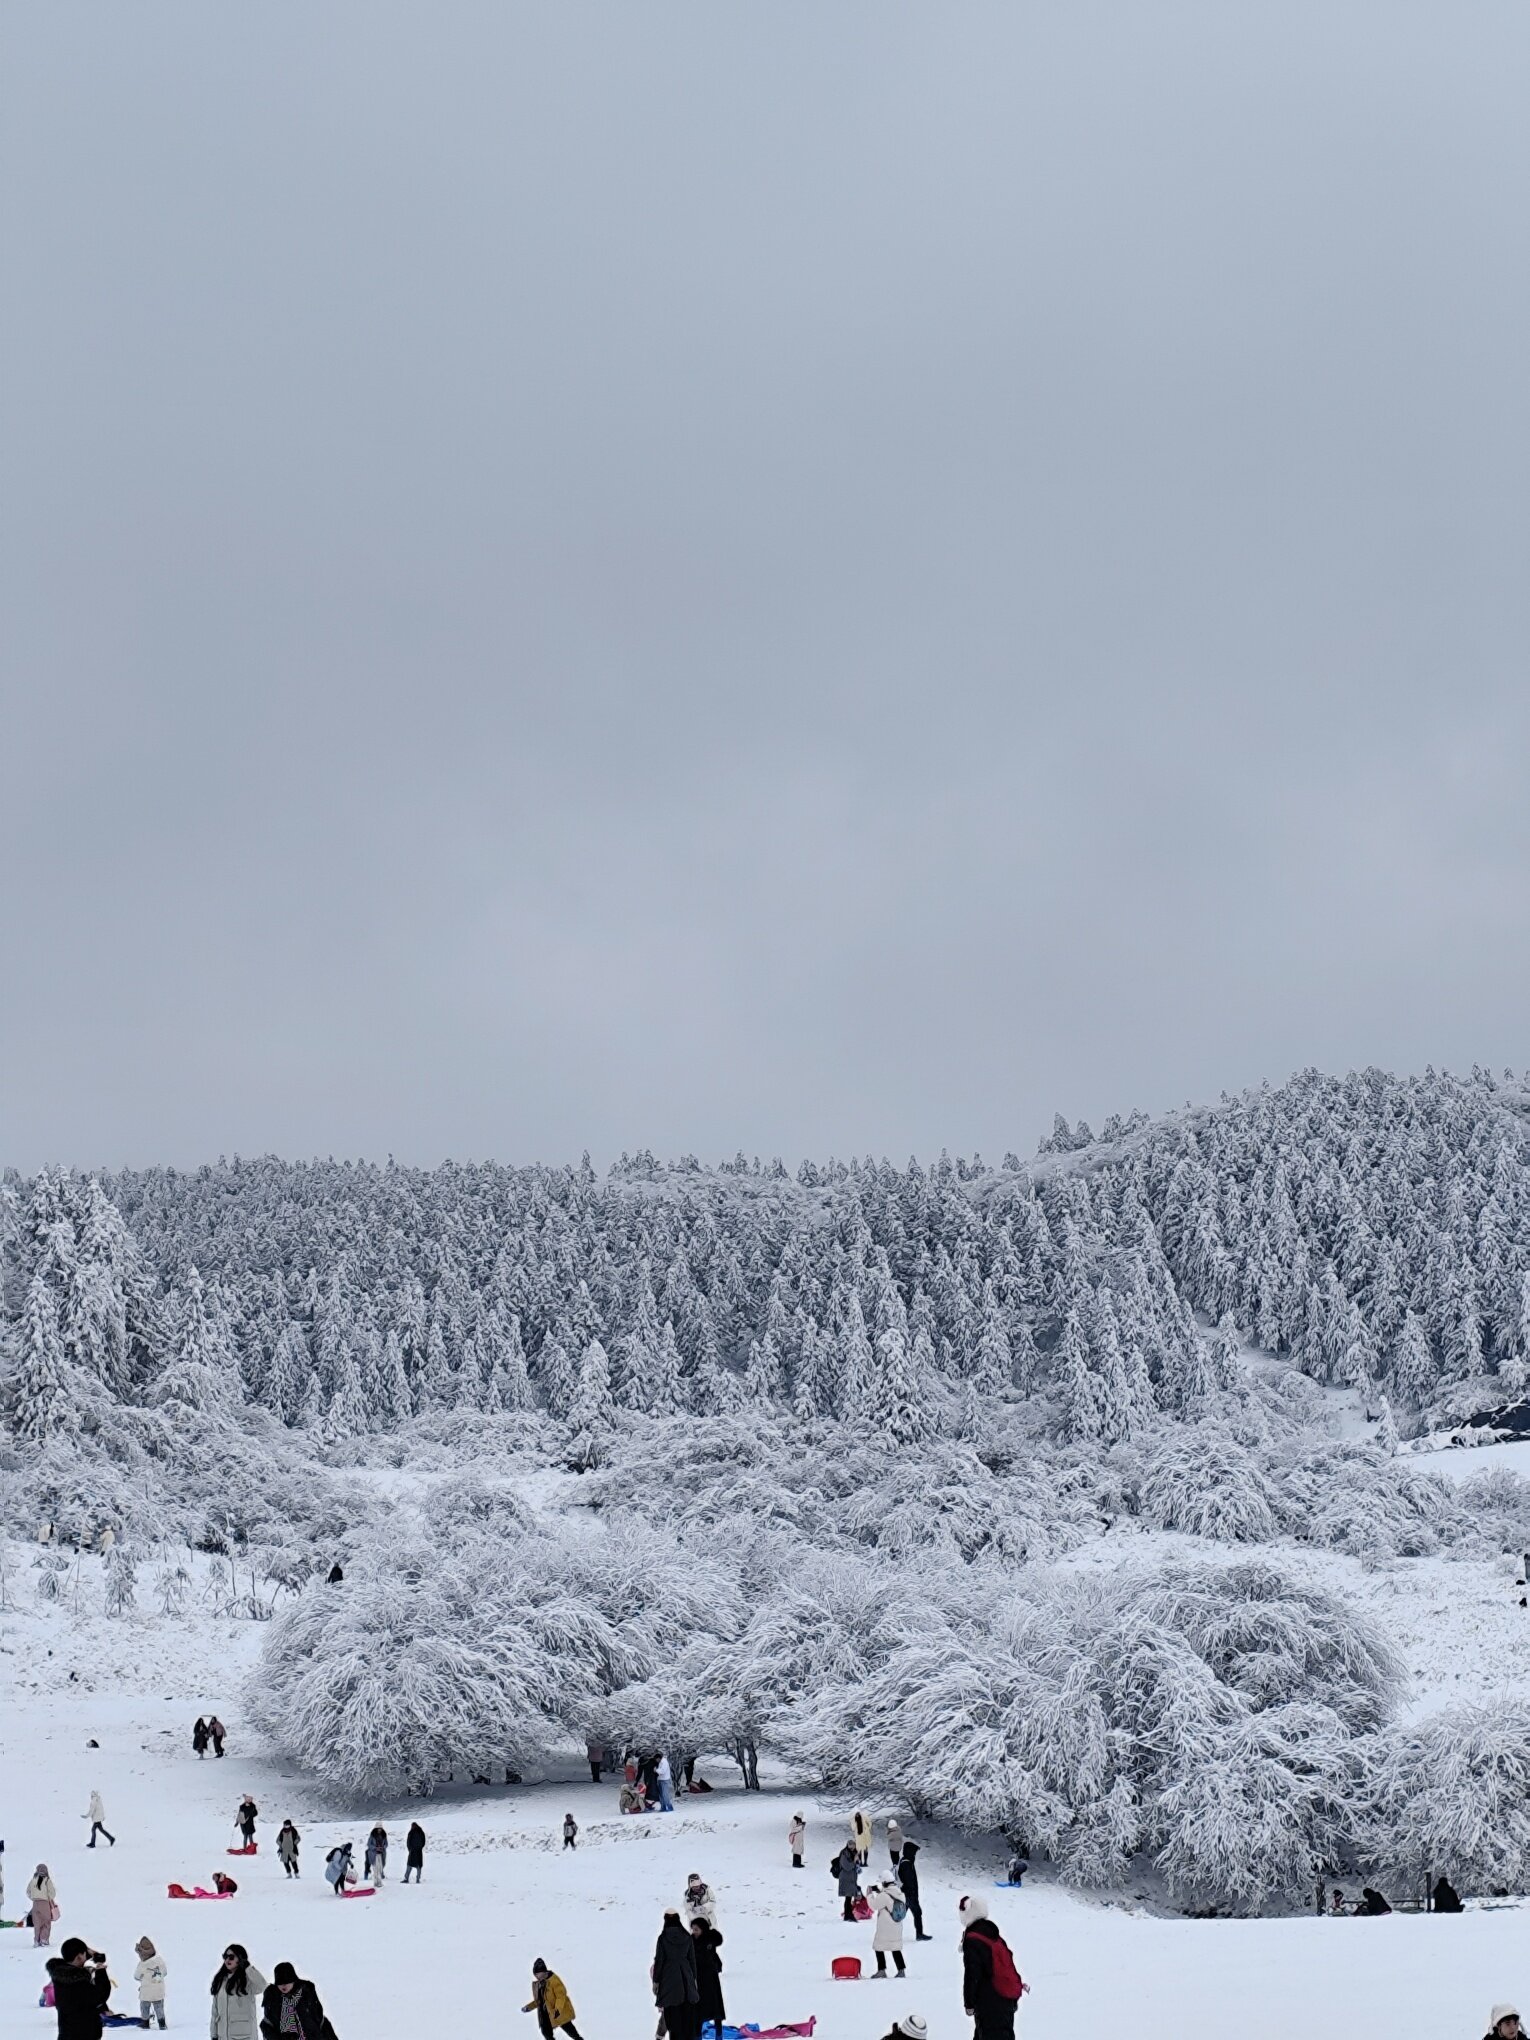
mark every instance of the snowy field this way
{"type": "Point", "coordinates": [453, 1956]}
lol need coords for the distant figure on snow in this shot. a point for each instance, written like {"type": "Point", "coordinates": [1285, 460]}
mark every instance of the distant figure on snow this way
{"type": "Point", "coordinates": [570, 1832]}
{"type": "Point", "coordinates": [1372, 1905]}
{"type": "Point", "coordinates": [664, 1777]}
{"type": "Point", "coordinates": [336, 1575]}
{"type": "Point", "coordinates": [908, 1877]}
{"type": "Point", "coordinates": [860, 1835]}
{"type": "Point", "coordinates": [150, 1978]}
{"type": "Point", "coordinates": [288, 1842]}
{"type": "Point", "coordinates": [700, 1900]}
{"type": "Point", "coordinates": [796, 1837]}
{"type": "Point", "coordinates": [97, 1818]}
{"type": "Point", "coordinates": [595, 1756]}
{"type": "Point", "coordinates": [1015, 1874]}
{"type": "Point", "coordinates": [1336, 1902]}
{"type": "Point", "coordinates": [706, 1941]}
{"type": "Point", "coordinates": [81, 1988]}
{"type": "Point", "coordinates": [894, 1842]}
{"type": "Point", "coordinates": [236, 1996]}
{"type": "Point", "coordinates": [339, 1868]}
{"type": "Point", "coordinates": [414, 1852]}
{"type": "Point", "coordinates": [1445, 1897]}
{"type": "Point", "coordinates": [375, 1856]}
{"type": "Point", "coordinates": [847, 1874]}
{"type": "Point", "coordinates": [218, 1733]}
{"type": "Point", "coordinates": [223, 1884]}
{"type": "Point", "coordinates": [44, 1903]}
{"type": "Point", "coordinates": [200, 1737]}
{"type": "Point", "coordinates": [673, 1972]}
{"type": "Point", "coordinates": [628, 1798]}
{"type": "Point", "coordinates": [551, 2003]}
{"type": "Point", "coordinates": [290, 2008]}
{"type": "Point", "coordinates": [245, 1819]}
{"type": "Point", "coordinates": [889, 1906]}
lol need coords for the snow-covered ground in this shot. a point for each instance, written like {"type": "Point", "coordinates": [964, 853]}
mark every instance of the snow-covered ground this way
{"type": "Point", "coordinates": [453, 1956]}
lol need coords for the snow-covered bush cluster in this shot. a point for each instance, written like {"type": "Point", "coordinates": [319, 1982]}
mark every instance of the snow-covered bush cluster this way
{"type": "Point", "coordinates": [813, 1451]}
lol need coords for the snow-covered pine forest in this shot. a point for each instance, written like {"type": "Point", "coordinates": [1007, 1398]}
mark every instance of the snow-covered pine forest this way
{"type": "Point", "coordinates": [980, 1489]}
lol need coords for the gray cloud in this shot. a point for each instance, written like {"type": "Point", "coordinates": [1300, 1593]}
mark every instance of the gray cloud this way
{"type": "Point", "coordinates": [813, 579]}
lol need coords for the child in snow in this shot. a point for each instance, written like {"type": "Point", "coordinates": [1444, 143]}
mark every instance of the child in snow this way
{"type": "Point", "coordinates": [570, 1832]}
{"type": "Point", "coordinates": [796, 1836]}
{"type": "Point", "coordinates": [287, 1843]}
{"type": "Point", "coordinates": [375, 1858]}
{"type": "Point", "coordinates": [97, 1818]}
{"type": "Point", "coordinates": [1017, 1869]}
{"type": "Point", "coordinates": [700, 1900]}
{"type": "Point", "coordinates": [909, 2027]}
{"type": "Point", "coordinates": [629, 1799]}
{"type": "Point", "coordinates": [1503, 2023]}
{"type": "Point", "coordinates": [551, 2002]}
{"type": "Point", "coordinates": [150, 1978]}
{"type": "Point", "coordinates": [223, 1884]}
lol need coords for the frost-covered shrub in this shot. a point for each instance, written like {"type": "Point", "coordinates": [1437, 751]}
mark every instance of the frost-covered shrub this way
{"type": "Point", "coordinates": [1452, 1793]}
{"type": "Point", "coordinates": [1196, 1478]}
{"type": "Point", "coordinates": [1355, 1499]}
{"type": "Point", "coordinates": [1496, 1505]}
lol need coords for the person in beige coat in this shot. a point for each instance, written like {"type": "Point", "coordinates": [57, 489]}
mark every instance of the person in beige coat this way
{"type": "Point", "coordinates": [860, 1835]}
{"type": "Point", "coordinates": [237, 1989]}
{"type": "Point", "coordinates": [44, 1903]}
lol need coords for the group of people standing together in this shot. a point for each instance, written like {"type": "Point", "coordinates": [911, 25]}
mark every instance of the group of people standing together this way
{"type": "Point", "coordinates": [890, 1900]}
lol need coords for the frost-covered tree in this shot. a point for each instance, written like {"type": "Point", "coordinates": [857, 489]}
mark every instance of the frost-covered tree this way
{"type": "Point", "coordinates": [592, 1414]}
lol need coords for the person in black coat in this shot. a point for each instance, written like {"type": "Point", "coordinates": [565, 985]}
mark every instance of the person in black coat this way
{"type": "Point", "coordinates": [675, 1990]}
{"type": "Point", "coordinates": [288, 1988]}
{"type": "Point", "coordinates": [993, 2016]}
{"type": "Point", "coordinates": [706, 1941]}
{"type": "Point", "coordinates": [414, 1852]}
{"type": "Point", "coordinates": [81, 1988]}
{"type": "Point", "coordinates": [908, 1877]}
{"type": "Point", "coordinates": [1445, 1897]}
{"type": "Point", "coordinates": [1372, 1905]}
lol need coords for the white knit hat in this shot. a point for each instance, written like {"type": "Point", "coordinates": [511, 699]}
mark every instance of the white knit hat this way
{"type": "Point", "coordinates": [973, 1907]}
{"type": "Point", "coordinates": [912, 2027]}
{"type": "Point", "coordinates": [1501, 2012]}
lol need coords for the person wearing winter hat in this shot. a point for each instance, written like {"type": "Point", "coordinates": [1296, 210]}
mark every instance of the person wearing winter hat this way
{"type": "Point", "coordinates": [991, 1984]}
{"type": "Point", "coordinates": [551, 2002]}
{"type": "Point", "coordinates": [894, 1841]}
{"type": "Point", "coordinates": [1503, 2023]}
{"type": "Point", "coordinates": [290, 2008]}
{"type": "Point", "coordinates": [909, 2027]}
{"type": "Point", "coordinates": [150, 1978]}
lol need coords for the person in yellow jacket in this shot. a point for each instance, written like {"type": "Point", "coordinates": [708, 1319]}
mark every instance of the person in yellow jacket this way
{"type": "Point", "coordinates": [551, 2003]}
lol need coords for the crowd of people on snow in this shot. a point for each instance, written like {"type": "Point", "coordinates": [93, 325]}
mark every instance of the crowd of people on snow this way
{"type": "Point", "coordinates": [686, 1972]}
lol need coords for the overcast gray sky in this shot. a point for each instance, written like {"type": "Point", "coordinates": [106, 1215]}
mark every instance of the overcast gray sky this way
{"type": "Point", "coordinates": [817, 578]}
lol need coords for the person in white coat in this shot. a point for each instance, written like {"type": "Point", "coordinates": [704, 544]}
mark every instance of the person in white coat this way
{"type": "Point", "coordinates": [860, 1836]}
{"type": "Point", "coordinates": [237, 1989]}
{"type": "Point", "coordinates": [796, 1836]}
{"type": "Point", "coordinates": [888, 1906]}
{"type": "Point", "coordinates": [700, 1900]}
{"type": "Point", "coordinates": [97, 1818]}
{"type": "Point", "coordinates": [150, 1978]}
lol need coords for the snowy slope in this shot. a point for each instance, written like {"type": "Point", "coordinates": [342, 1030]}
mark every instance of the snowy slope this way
{"type": "Point", "coordinates": [453, 1956]}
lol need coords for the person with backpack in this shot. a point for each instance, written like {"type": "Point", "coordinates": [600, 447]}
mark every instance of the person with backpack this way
{"type": "Point", "coordinates": [675, 1989]}
{"type": "Point", "coordinates": [290, 2008]}
{"type": "Point", "coordinates": [908, 1878]}
{"type": "Point", "coordinates": [796, 1839]}
{"type": "Point", "coordinates": [414, 1852]}
{"type": "Point", "coordinates": [150, 1978]}
{"type": "Point", "coordinates": [890, 1908]}
{"type": "Point", "coordinates": [846, 1871]}
{"type": "Point", "coordinates": [288, 1841]}
{"type": "Point", "coordinates": [551, 2003]}
{"type": "Point", "coordinates": [991, 1984]}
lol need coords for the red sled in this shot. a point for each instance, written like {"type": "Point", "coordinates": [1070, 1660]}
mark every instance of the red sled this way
{"type": "Point", "coordinates": [845, 1968]}
{"type": "Point", "coordinates": [180, 1891]}
{"type": "Point", "coordinates": [249, 1849]}
{"type": "Point", "coordinates": [359, 1891]}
